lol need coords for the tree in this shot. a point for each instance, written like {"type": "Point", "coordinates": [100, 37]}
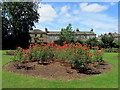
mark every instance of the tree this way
{"type": "Point", "coordinates": [107, 41]}
{"type": "Point", "coordinates": [18, 18]}
{"type": "Point", "coordinates": [92, 42]}
{"type": "Point", "coordinates": [67, 34]}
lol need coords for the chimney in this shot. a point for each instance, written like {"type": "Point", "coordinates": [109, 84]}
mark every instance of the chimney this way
{"type": "Point", "coordinates": [77, 30]}
{"type": "Point", "coordinates": [62, 29]}
{"type": "Point", "coordinates": [91, 30]}
{"type": "Point", "coordinates": [46, 30]}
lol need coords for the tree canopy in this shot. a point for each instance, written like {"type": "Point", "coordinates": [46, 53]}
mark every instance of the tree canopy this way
{"type": "Point", "coordinates": [92, 42]}
{"type": "Point", "coordinates": [18, 18]}
{"type": "Point", "coordinates": [67, 34]}
{"type": "Point", "coordinates": [107, 41]}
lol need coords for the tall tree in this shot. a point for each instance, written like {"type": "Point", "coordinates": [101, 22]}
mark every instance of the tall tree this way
{"type": "Point", "coordinates": [67, 34]}
{"type": "Point", "coordinates": [92, 42]}
{"type": "Point", "coordinates": [107, 41]}
{"type": "Point", "coordinates": [18, 18]}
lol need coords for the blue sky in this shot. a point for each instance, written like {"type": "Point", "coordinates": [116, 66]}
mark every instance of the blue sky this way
{"type": "Point", "coordinates": [101, 16]}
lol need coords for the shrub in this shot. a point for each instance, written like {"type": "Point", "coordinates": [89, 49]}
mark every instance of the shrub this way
{"type": "Point", "coordinates": [72, 54]}
{"type": "Point", "coordinates": [114, 50]}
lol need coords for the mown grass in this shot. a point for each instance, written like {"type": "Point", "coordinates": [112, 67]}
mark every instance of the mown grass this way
{"type": "Point", "coordinates": [106, 80]}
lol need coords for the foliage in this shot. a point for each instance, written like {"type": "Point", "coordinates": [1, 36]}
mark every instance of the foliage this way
{"type": "Point", "coordinates": [67, 34]}
{"type": "Point", "coordinates": [107, 41]}
{"type": "Point", "coordinates": [112, 50]}
{"type": "Point", "coordinates": [92, 42]}
{"type": "Point", "coordinates": [116, 44]}
{"type": "Point", "coordinates": [12, 80]}
{"type": "Point", "coordinates": [98, 54]}
{"type": "Point", "coordinates": [73, 54]}
{"type": "Point", "coordinates": [18, 18]}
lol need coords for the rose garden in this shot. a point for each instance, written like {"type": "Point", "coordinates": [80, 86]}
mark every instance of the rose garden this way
{"type": "Point", "coordinates": [51, 60]}
{"type": "Point", "coordinates": [69, 58]}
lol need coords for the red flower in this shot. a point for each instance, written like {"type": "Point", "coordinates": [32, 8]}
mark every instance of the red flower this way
{"type": "Point", "coordinates": [97, 53]}
{"type": "Point", "coordinates": [57, 50]}
{"type": "Point", "coordinates": [82, 54]}
{"type": "Point", "coordinates": [25, 51]}
{"type": "Point", "coordinates": [64, 42]}
{"type": "Point", "coordinates": [30, 47]}
{"type": "Point", "coordinates": [15, 53]}
{"type": "Point", "coordinates": [74, 54]}
{"type": "Point", "coordinates": [101, 50]}
{"type": "Point", "coordinates": [63, 61]}
{"type": "Point", "coordinates": [90, 55]}
{"type": "Point", "coordinates": [20, 48]}
{"type": "Point", "coordinates": [52, 41]}
{"type": "Point", "coordinates": [66, 47]}
{"type": "Point", "coordinates": [87, 52]}
{"type": "Point", "coordinates": [85, 48]}
{"type": "Point", "coordinates": [25, 55]}
{"type": "Point", "coordinates": [31, 44]}
{"type": "Point", "coordinates": [70, 51]}
{"type": "Point", "coordinates": [80, 45]}
{"type": "Point", "coordinates": [76, 43]}
{"type": "Point", "coordinates": [29, 54]}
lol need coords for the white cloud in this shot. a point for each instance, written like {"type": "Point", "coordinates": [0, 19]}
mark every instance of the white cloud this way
{"type": "Point", "coordinates": [100, 23]}
{"type": "Point", "coordinates": [76, 11]}
{"type": "Point", "coordinates": [85, 19]}
{"type": "Point", "coordinates": [92, 7]}
{"type": "Point", "coordinates": [112, 3]}
{"type": "Point", "coordinates": [47, 13]}
{"type": "Point", "coordinates": [64, 11]}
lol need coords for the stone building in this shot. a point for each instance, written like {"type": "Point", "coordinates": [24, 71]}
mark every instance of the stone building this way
{"type": "Point", "coordinates": [115, 35]}
{"type": "Point", "coordinates": [49, 36]}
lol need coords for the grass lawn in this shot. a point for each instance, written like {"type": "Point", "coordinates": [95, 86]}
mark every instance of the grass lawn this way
{"type": "Point", "coordinates": [106, 80]}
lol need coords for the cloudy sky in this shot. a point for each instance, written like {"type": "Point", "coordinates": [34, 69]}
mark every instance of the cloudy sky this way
{"type": "Point", "coordinates": [102, 17]}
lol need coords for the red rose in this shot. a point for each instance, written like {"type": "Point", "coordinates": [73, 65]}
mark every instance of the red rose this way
{"type": "Point", "coordinates": [64, 42]}
{"type": "Point", "coordinates": [90, 55]}
{"type": "Point", "coordinates": [74, 54]}
{"type": "Point", "coordinates": [25, 55]}
{"type": "Point", "coordinates": [57, 50]}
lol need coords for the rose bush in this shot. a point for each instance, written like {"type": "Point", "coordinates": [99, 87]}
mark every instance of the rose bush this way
{"type": "Point", "coordinates": [76, 54]}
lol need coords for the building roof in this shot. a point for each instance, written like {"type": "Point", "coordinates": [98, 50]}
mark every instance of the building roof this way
{"type": "Point", "coordinates": [85, 32]}
{"type": "Point", "coordinates": [37, 31]}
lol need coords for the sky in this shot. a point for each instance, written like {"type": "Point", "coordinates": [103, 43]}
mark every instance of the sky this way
{"type": "Point", "coordinates": [101, 16]}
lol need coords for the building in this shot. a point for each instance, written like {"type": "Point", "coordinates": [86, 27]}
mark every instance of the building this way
{"type": "Point", "coordinates": [115, 35]}
{"type": "Point", "coordinates": [49, 36]}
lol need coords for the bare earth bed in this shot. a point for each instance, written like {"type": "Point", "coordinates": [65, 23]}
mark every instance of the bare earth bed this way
{"type": "Point", "coordinates": [57, 71]}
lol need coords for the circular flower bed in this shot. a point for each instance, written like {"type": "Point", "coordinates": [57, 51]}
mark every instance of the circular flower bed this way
{"type": "Point", "coordinates": [71, 57]}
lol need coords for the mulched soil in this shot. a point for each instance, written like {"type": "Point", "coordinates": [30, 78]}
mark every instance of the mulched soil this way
{"type": "Point", "coordinates": [57, 71]}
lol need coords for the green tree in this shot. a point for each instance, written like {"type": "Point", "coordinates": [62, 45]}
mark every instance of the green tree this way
{"type": "Point", "coordinates": [92, 42]}
{"type": "Point", "coordinates": [18, 18]}
{"type": "Point", "coordinates": [67, 34]}
{"type": "Point", "coordinates": [116, 44]}
{"type": "Point", "coordinates": [107, 41]}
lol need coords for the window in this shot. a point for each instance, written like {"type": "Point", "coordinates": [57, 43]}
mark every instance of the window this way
{"type": "Point", "coordinates": [50, 37]}
{"type": "Point", "coordinates": [88, 36]}
{"type": "Point", "coordinates": [76, 36]}
{"type": "Point", "coordinates": [55, 37]}
{"type": "Point", "coordinates": [116, 38]}
{"type": "Point", "coordinates": [82, 36]}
